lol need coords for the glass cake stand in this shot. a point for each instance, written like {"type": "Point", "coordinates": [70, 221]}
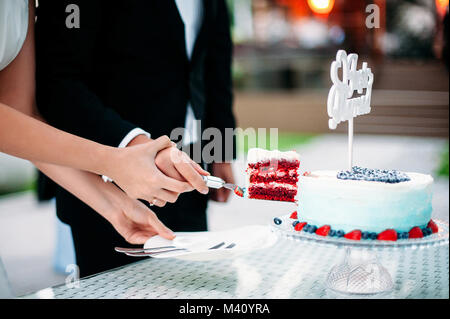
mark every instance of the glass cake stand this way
{"type": "Point", "coordinates": [360, 273]}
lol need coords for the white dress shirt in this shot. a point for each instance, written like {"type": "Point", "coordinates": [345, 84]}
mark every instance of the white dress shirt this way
{"type": "Point", "coordinates": [191, 12]}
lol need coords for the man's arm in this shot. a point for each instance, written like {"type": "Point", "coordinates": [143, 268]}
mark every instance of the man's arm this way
{"type": "Point", "coordinates": [65, 59]}
{"type": "Point", "coordinates": [219, 94]}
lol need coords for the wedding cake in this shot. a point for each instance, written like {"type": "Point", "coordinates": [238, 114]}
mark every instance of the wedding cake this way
{"type": "Point", "coordinates": [365, 204]}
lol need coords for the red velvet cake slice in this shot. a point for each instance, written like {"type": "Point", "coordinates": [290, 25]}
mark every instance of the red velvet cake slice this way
{"type": "Point", "coordinates": [272, 175]}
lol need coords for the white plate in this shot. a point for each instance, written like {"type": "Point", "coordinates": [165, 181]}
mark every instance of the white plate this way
{"type": "Point", "coordinates": [246, 239]}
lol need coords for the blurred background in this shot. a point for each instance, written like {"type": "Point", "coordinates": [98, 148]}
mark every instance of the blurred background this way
{"type": "Point", "coordinates": [282, 56]}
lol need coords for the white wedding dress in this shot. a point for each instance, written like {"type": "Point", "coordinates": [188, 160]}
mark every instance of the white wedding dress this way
{"type": "Point", "coordinates": [13, 29]}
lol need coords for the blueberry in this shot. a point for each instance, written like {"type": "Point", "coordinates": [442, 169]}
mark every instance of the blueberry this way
{"type": "Point", "coordinates": [340, 233]}
{"type": "Point", "coordinates": [295, 223]}
{"type": "Point", "coordinates": [373, 236]}
{"type": "Point", "coordinates": [427, 231]}
{"type": "Point", "coordinates": [312, 229]}
{"type": "Point", "coordinates": [365, 235]}
{"type": "Point", "coordinates": [277, 221]}
{"type": "Point", "coordinates": [306, 228]}
{"type": "Point", "coordinates": [405, 235]}
{"type": "Point", "coordinates": [332, 233]}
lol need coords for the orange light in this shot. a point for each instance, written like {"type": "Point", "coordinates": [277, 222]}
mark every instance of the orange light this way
{"type": "Point", "coordinates": [441, 6]}
{"type": "Point", "coordinates": [321, 6]}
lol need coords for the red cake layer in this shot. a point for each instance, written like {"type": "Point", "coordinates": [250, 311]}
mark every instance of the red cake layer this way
{"type": "Point", "coordinates": [287, 179]}
{"type": "Point", "coordinates": [272, 193]}
{"type": "Point", "coordinates": [277, 164]}
{"type": "Point", "coordinates": [281, 171]}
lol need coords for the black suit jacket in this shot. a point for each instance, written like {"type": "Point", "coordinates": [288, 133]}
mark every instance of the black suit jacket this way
{"type": "Point", "coordinates": [126, 67]}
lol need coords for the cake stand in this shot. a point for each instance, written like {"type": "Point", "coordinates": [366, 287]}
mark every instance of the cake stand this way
{"type": "Point", "coordinates": [360, 273]}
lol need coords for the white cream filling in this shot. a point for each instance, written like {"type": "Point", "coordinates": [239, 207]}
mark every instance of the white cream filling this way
{"type": "Point", "coordinates": [256, 155]}
{"type": "Point", "coordinates": [271, 172]}
{"type": "Point", "coordinates": [274, 185]}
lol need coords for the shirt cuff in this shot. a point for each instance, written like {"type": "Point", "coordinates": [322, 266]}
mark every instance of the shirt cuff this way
{"type": "Point", "coordinates": [124, 143]}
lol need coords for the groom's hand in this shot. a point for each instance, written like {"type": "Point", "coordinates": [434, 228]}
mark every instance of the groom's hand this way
{"type": "Point", "coordinates": [225, 172]}
{"type": "Point", "coordinates": [140, 139]}
{"type": "Point", "coordinates": [177, 164]}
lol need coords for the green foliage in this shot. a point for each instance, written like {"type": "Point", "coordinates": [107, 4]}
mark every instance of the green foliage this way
{"type": "Point", "coordinates": [443, 166]}
{"type": "Point", "coordinates": [286, 141]}
{"type": "Point", "coordinates": [29, 186]}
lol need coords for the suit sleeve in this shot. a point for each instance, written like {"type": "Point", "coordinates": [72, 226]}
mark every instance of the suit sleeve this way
{"type": "Point", "coordinates": [65, 59]}
{"type": "Point", "coordinates": [219, 91]}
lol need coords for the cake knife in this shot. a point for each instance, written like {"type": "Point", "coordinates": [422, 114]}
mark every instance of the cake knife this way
{"type": "Point", "coordinates": [217, 182]}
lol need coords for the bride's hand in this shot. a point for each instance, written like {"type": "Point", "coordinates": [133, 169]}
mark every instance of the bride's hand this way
{"type": "Point", "coordinates": [134, 170]}
{"type": "Point", "coordinates": [136, 223]}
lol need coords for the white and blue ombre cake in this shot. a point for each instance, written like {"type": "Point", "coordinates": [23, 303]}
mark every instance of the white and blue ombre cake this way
{"type": "Point", "coordinates": [396, 200]}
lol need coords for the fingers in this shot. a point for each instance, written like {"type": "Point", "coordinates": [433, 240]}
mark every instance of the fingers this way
{"type": "Point", "coordinates": [143, 224]}
{"type": "Point", "coordinates": [192, 176]}
{"type": "Point", "coordinates": [168, 169]}
{"type": "Point", "coordinates": [159, 144]}
{"type": "Point", "coordinates": [223, 195]}
{"type": "Point", "coordinates": [190, 171]}
{"type": "Point", "coordinates": [199, 169]}
{"type": "Point", "coordinates": [220, 195]}
{"type": "Point", "coordinates": [140, 237]}
{"type": "Point", "coordinates": [167, 196]}
{"type": "Point", "coordinates": [158, 202]}
{"type": "Point", "coordinates": [174, 185]}
{"type": "Point", "coordinates": [159, 227]}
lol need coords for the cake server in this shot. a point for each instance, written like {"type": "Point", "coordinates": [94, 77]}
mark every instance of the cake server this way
{"type": "Point", "coordinates": [217, 182]}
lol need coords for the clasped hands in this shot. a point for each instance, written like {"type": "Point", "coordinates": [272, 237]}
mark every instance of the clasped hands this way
{"type": "Point", "coordinates": [157, 172]}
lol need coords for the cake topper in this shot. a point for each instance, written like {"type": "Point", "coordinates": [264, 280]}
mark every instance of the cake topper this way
{"type": "Point", "coordinates": [342, 105]}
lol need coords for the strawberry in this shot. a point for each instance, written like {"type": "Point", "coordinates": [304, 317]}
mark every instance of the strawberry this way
{"type": "Point", "coordinates": [432, 225]}
{"type": "Point", "coordinates": [388, 234]}
{"type": "Point", "coordinates": [299, 226]}
{"type": "Point", "coordinates": [238, 191]}
{"type": "Point", "coordinates": [294, 215]}
{"type": "Point", "coordinates": [415, 232]}
{"type": "Point", "coordinates": [353, 235]}
{"type": "Point", "coordinates": [323, 231]}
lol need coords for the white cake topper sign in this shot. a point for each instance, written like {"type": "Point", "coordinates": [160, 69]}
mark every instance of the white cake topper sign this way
{"type": "Point", "coordinates": [341, 105]}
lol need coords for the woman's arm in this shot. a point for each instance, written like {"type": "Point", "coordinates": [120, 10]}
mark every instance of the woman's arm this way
{"type": "Point", "coordinates": [131, 219]}
{"type": "Point", "coordinates": [26, 137]}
